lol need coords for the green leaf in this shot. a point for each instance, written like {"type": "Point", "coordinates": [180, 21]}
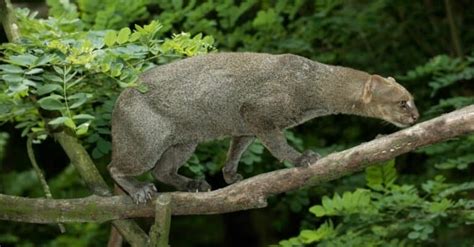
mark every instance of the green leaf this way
{"type": "Point", "coordinates": [381, 176]}
{"type": "Point", "coordinates": [116, 69]}
{"type": "Point", "coordinates": [83, 117]}
{"type": "Point", "coordinates": [309, 236]}
{"type": "Point", "coordinates": [96, 153]}
{"type": "Point", "coordinates": [350, 200]}
{"type": "Point", "coordinates": [380, 231]}
{"type": "Point", "coordinates": [70, 123]}
{"type": "Point", "coordinates": [12, 69]}
{"type": "Point", "coordinates": [58, 70]}
{"type": "Point", "coordinates": [441, 206]}
{"type": "Point", "coordinates": [82, 129]}
{"type": "Point", "coordinates": [48, 88]}
{"type": "Point", "coordinates": [51, 103]}
{"type": "Point", "coordinates": [123, 35]}
{"type": "Point", "coordinates": [23, 60]}
{"type": "Point", "coordinates": [34, 71]}
{"type": "Point", "coordinates": [58, 121]}
{"type": "Point", "coordinates": [418, 227]}
{"type": "Point", "coordinates": [79, 99]}
{"type": "Point", "coordinates": [413, 235]}
{"type": "Point", "coordinates": [28, 82]}
{"type": "Point", "coordinates": [103, 145]}
{"type": "Point", "coordinates": [177, 4]}
{"type": "Point", "coordinates": [67, 121]}
{"type": "Point", "coordinates": [337, 202]}
{"type": "Point", "coordinates": [52, 77]}
{"type": "Point", "coordinates": [110, 38]}
{"type": "Point", "coordinates": [44, 59]}
{"type": "Point", "coordinates": [325, 230]}
{"type": "Point", "coordinates": [12, 78]}
{"type": "Point", "coordinates": [328, 205]}
{"type": "Point", "coordinates": [135, 36]}
{"type": "Point", "coordinates": [318, 210]}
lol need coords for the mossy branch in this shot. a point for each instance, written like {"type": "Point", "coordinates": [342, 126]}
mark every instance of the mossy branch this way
{"type": "Point", "coordinates": [160, 231]}
{"type": "Point", "coordinates": [249, 193]}
{"type": "Point", "coordinates": [86, 168]}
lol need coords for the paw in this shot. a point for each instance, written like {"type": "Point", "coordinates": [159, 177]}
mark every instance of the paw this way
{"type": "Point", "coordinates": [144, 193]}
{"type": "Point", "coordinates": [307, 158]}
{"type": "Point", "coordinates": [198, 186]}
{"type": "Point", "coordinates": [231, 177]}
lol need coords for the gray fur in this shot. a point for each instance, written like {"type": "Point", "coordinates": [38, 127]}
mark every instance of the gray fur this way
{"type": "Point", "coordinates": [238, 95]}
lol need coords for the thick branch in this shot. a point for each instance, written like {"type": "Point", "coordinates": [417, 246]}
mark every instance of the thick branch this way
{"type": "Point", "coordinates": [160, 231]}
{"type": "Point", "coordinates": [83, 163]}
{"type": "Point", "coordinates": [86, 168]}
{"type": "Point", "coordinates": [250, 193]}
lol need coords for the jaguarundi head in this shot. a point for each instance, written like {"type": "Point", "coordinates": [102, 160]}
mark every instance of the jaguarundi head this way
{"type": "Point", "coordinates": [386, 99]}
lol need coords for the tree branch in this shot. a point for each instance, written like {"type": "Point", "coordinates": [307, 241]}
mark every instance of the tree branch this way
{"type": "Point", "coordinates": [249, 193]}
{"type": "Point", "coordinates": [86, 168]}
{"type": "Point", "coordinates": [160, 231]}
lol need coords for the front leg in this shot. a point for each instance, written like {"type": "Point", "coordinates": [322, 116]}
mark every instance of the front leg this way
{"type": "Point", "coordinates": [275, 142]}
{"type": "Point", "coordinates": [266, 118]}
{"type": "Point", "coordinates": [238, 145]}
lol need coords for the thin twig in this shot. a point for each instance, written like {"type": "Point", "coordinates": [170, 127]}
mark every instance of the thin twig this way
{"type": "Point", "coordinates": [39, 174]}
{"type": "Point", "coordinates": [453, 29]}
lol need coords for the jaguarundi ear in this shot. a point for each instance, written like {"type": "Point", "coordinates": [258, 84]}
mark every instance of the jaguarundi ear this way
{"type": "Point", "coordinates": [369, 87]}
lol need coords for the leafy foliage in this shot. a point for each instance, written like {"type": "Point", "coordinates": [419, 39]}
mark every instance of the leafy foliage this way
{"type": "Point", "coordinates": [333, 31]}
{"type": "Point", "coordinates": [381, 177]}
{"type": "Point", "coordinates": [58, 77]}
{"type": "Point", "coordinates": [398, 215]}
{"type": "Point", "coordinates": [99, 15]}
{"type": "Point", "coordinates": [444, 73]}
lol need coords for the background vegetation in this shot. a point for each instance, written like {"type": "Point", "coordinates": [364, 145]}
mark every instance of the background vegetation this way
{"type": "Point", "coordinates": [67, 70]}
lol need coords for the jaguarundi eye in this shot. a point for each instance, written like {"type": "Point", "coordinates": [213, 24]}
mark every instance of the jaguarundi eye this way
{"type": "Point", "coordinates": [403, 104]}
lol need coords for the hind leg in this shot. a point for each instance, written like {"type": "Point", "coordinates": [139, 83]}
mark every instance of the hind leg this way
{"type": "Point", "coordinates": [132, 161]}
{"type": "Point", "coordinates": [166, 169]}
{"type": "Point", "coordinates": [139, 137]}
{"type": "Point", "coordinates": [139, 191]}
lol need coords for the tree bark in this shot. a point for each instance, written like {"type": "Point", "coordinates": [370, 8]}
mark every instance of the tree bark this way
{"type": "Point", "coordinates": [249, 193]}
